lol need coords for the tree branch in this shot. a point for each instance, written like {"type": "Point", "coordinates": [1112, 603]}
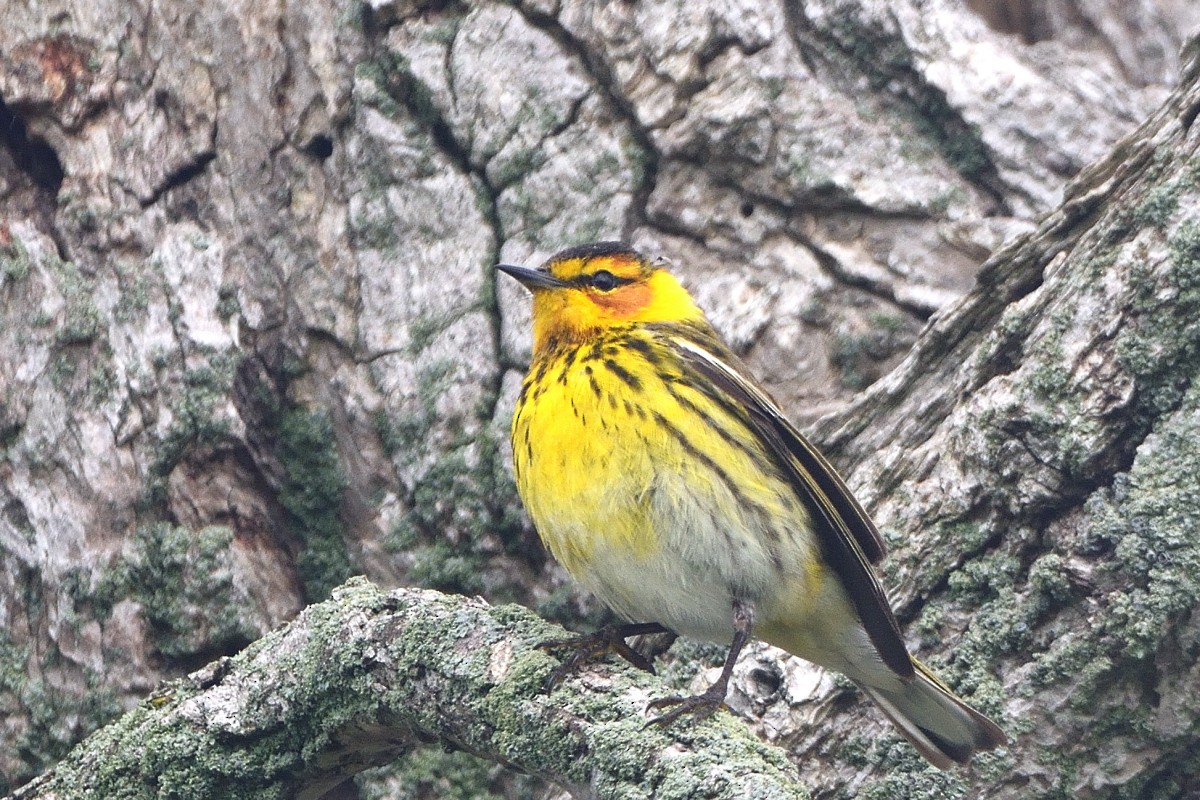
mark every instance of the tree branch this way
{"type": "Point", "coordinates": [367, 677]}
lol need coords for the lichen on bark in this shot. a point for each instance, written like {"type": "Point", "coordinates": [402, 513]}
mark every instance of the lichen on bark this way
{"type": "Point", "coordinates": [369, 677]}
{"type": "Point", "coordinates": [251, 337]}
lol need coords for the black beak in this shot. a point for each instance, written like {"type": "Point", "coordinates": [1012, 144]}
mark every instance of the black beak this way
{"type": "Point", "coordinates": [532, 279]}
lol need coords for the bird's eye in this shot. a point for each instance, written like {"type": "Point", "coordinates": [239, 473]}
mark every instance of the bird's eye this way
{"type": "Point", "coordinates": [604, 280]}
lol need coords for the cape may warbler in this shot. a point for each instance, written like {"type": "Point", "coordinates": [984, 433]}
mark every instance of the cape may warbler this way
{"type": "Point", "coordinates": [667, 481]}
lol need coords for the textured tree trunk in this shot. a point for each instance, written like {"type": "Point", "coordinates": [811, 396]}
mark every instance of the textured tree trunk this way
{"type": "Point", "coordinates": [251, 343]}
{"type": "Point", "coordinates": [1034, 463]}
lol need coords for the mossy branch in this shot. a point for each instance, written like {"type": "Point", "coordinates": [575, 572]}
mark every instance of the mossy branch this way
{"type": "Point", "coordinates": [368, 677]}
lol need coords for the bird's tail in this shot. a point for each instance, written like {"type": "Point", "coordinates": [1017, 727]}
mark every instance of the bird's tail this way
{"type": "Point", "coordinates": [942, 727]}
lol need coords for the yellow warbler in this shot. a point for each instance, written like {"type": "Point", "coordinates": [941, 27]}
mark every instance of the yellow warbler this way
{"type": "Point", "coordinates": [668, 482]}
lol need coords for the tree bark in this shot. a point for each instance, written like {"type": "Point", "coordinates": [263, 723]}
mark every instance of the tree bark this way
{"type": "Point", "coordinates": [1033, 463]}
{"type": "Point", "coordinates": [251, 343]}
{"type": "Point", "coordinates": [367, 677]}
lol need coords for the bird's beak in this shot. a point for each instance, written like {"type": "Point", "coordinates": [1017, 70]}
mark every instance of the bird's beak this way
{"type": "Point", "coordinates": [532, 279]}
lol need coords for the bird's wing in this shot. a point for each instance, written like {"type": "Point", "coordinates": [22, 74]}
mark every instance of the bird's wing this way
{"type": "Point", "coordinates": [848, 538]}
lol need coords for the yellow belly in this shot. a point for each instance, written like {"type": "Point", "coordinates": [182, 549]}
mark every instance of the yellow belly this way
{"type": "Point", "coordinates": [582, 478]}
{"type": "Point", "coordinates": [647, 504]}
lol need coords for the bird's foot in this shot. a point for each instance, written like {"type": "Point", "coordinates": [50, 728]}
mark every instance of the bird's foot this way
{"type": "Point", "coordinates": [590, 646]}
{"type": "Point", "coordinates": [701, 706]}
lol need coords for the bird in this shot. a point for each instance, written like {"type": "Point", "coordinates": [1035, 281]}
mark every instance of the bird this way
{"type": "Point", "coordinates": [667, 481]}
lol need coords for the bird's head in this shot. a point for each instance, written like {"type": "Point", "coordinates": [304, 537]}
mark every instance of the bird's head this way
{"type": "Point", "coordinates": [582, 291]}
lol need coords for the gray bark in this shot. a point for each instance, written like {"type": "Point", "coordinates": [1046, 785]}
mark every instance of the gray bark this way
{"type": "Point", "coordinates": [366, 678]}
{"type": "Point", "coordinates": [1032, 461]}
{"type": "Point", "coordinates": [251, 342]}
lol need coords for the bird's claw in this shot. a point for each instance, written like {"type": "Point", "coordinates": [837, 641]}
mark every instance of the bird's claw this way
{"type": "Point", "coordinates": [590, 646]}
{"type": "Point", "coordinates": [701, 706]}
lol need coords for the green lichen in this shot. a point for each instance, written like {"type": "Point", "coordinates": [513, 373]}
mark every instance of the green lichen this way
{"type": "Point", "coordinates": [1071, 657]}
{"type": "Point", "coordinates": [134, 300]}
{"type": "Point", "coordinates": [13, 659]}
{"type": "Point", "coordinates": [183, 581]}
{"type": "Point", "coordinates": [1162, 351]}
{"type": "Point", "coordinates": [643, 164]}
{"type": "Point", "coordinates": [331, 688]}
{"type": "Point", "coordinates": [62, 371]}
{"type": "Point", "coordinates": [144, 755]}
{"type": "Point", "coordinates": [1141, 534]}
{"type": "Point", "coordinates": [160, 357]}
{"type": "Point", "coordinates": [1162, 200]}
{"type": "Point", "coordinates": [443, 32]}
{"type": "Point", "coordinates": [961, 142]}
{"type": "Point", "coordinates": [391, 439]}
{"type": "Point", "coordinates": [855, 750]}
{"type": "Point", "coordinates": [313, 493]}
{"type": "Point", "coordinates": [228, 305]}
{"type": "Point", "coordinates": [82, 320]}
{"type": "Point", "coordinates": [1149, 520]}
{"type": "Point", "coordinates": [390, 86]}
{"type": "Point", "coordinates": [1051, 371]}
{"type": "Point", "coordinates": [15, 261]}
{"type": "Point", "coordinates": [907, 776]}
{"type": "Point", "coordinates": [1099, 265]}
{"type": "Point", "coordinates": [1185, 257]}
{"type": "Point", "coordinates": [1053, 423]}
{"type": "Point", "coordinates": [1158, 205]}
{"type": "Point", "coordinates": [886, 321]}
{"type": "Point", "coordinates": [85, 374]}
{"type": "Point", "coordinates": [513, 169]}
{"type": "Point", "coordinates": [852, 357]}
{"type": "Point", "coordinates": [687, 658]}
{"type": "Point", "coordinates": [506, 705]}
{"type": "Point", "coordinates": [1049, 576]}
{"type": "Point", "coordinates": [1174, 777]}
{"type": "Point", "coordinates": [475, 498]}
{"type": "Point", "coordinates": [463, 509]}
{"type": "Point", "coordinates": [446, 775]}
{"type": "Point", "coordinates": [374, 227]}
{"type": "Point", "coordinates": [182, 763]}
{"type": "Point", "coordinates": [55, 721]}
{"type": "Point", "coordinates": [919, 783]}
{"type": "Point", "coordinates": [82, 323]}
{"type": "Point", "coordinates": [441, 565]}
{"type": "Point", "coordinates": [101, 382]}
{"type": "Point", "coordinates": [928, 626]}
{"type": "Point", "coordinates": [42, 722]}
{"type": "Point", "coordinates": [197, 422]}
{"type": "Point", "coordinates": [815, 312]}
{"type": "Point", "coordinates": [983, 578]}
{"type": "Point", "coordinates": [859, 354]}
